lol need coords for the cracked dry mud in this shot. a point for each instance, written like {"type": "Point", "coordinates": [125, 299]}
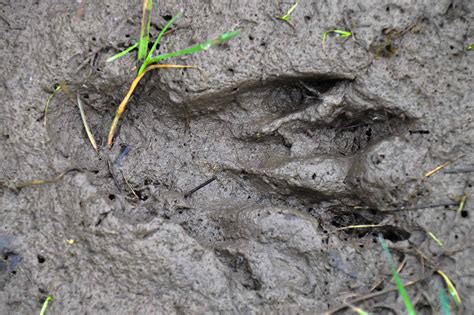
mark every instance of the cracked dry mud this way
{"type": "Point", "coordinates": [301, 140]}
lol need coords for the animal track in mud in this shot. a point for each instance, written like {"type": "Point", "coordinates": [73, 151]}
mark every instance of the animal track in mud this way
{"type": "Point", "coordinates": [299, 135]}
{"type": "Point", "coordinates": [286, 142]}
{"type": "Point", "coordinates": [277, 149]}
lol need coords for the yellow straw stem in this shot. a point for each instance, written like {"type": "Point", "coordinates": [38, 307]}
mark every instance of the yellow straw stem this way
{"type": "Point", "coordinates": [46, 181]}
{"type": "Point", "coordinates": [89, 133]}
{"type": "Point", "coordinates": [437, 169]}
{"type": "Point", "coordinates": [124, 102]}
{"type": "Point", "coordinates": [451, 289]}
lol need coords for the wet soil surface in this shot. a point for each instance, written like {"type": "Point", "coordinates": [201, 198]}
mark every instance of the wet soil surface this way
{"type": "Point", "coordinates": [291, 141]}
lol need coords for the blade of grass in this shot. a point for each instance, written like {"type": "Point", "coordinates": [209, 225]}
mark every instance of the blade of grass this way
{"type": "Point", "coordinates": [124, 102]}
{"type": "Point", "coordinates": [437, 240]}
{"type": "Point", "coordinates": [122, 53]}
{"type": "Point", "coordinates": [85, 123]}
{"type": "Point", "coordinates": [451, 289]}
{"type": "Point", "coordinates": [163, 31]}
{"type": "Point", "coordinates": [341, 33]}
{"type": "Point", "coordinates": [325, 36]}
{"type": "Point", "coordinates": [444, 302]}
{"type": "Point", "coordinates": [155, 44]}
{"type": "Point", "coordinates": [144, 30]}
{"type": "Point", "coordinates": [437, 169]}
{"type": "Point", "coordinates": [75, 98]}
{"type": "Point", "coordinates": [50, 97]}
{"type": "Point", "coordinates": [287, 16]}
{"type": "Point", "coordinates": [442, 166]}
{"type": "Point", "coordinates": [373, 295]}
{"type": "Point", "coordinates": [462, 203]}
{"type": "Point", "coordinates": [396, 277]}
{"type": "Point", "coordinates": [205, 45]}
{"type": "Point", "coordinates": [49, 298]}
{"type": "Point", "coordinates": [45, 181]}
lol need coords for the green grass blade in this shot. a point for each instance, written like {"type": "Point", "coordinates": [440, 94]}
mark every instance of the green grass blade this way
{"type": "Point", "coordinates": [342, 33]}
{"type": "Point", "coordinates": [198, 47]}
{"type": "Point", "coordinates": [293, 8]}
{"type": "Point", "coordinates": [163, 31]}
{"type": "Point", "coordinates": [444, 302]}
{"type": "Point", "coordinates": [325, 36]}
{"type": "Point", "coordinates": [287, 16]}
{"type": "Point", "coordinates": [145, 30]}
{"type": "Point", "coordinates": [396, 277]}
{"type": "Point", "coordinates": [49, 298]}
{"type": "Point", "coordinates": [155, 44]}
{"type": "Point", "coordinates": [122, 53]}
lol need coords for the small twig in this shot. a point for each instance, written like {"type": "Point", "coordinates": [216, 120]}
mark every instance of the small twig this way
{"type": "Point", "coordinates": [350, 27]}
{"type": "Point", "coordinates": [423, 255]}
{"type": "Point", "coordinates": [456, 250]}
{"type": "Point", "coordinates": [376, 294]}
{"type": "Point", "coordinates": [356, 309]}
{"type": "Point", "coordinates": [114, 178]}
{"type": "Point", "coordinates": [446, 204]}
{"type": "Point", "coordinates": [459, 170]}
{"type": "Point", "coordinates": [129, 186]}
{"type": "Point", "coordinates": [207, 182]}
{"type": "Point", "coordinates": [50, 97]}
{"type": "Point", "coordinates": [399, 269]}
{"type": "Point", "coordinates": [88, 59]}
{"type": "Point", "coordinates": [362, 226]}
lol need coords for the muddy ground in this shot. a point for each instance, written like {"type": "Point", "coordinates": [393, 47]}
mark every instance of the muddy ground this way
{"type": "Point", "coordinates": [301, 140]}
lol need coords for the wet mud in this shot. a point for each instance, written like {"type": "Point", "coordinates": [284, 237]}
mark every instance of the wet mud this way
{"type": "Point", "coordinates": [229, 184]}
